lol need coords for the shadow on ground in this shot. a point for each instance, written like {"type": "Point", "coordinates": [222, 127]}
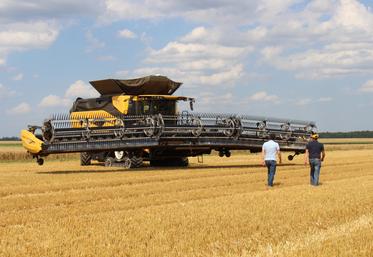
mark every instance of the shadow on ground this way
{"type": "Point", "coordinates": [149, 168]}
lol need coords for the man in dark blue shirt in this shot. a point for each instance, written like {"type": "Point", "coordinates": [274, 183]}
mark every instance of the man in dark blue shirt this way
{"type": "Point", "coordinates": [314, 155]}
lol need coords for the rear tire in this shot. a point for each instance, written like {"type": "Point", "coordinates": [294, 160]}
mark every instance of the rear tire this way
{"type": "Point", "coordinates": [85, 159]}
{"type": "Point", "coordinates": [136, 162]}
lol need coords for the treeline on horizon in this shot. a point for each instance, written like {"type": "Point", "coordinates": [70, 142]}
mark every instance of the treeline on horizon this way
{"type": "Point", "coordinates": [351, 134]}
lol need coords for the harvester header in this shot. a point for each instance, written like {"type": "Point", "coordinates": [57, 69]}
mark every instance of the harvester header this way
{"type": "Point", "coordinates": [138, 120]}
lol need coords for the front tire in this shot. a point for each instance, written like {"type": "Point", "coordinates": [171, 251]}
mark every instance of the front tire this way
{"type": "Point", "coordinates": [85, 159]}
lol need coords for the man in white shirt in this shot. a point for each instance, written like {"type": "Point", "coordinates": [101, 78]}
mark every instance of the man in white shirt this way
{"type": "Point", "coordinates": [270, 150]}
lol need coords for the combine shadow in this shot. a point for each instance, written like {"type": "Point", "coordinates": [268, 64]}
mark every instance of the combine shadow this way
{"type": "Point", "coordinates": [149, 168]}
{"type": "Point", "coordinates": [203, 166]}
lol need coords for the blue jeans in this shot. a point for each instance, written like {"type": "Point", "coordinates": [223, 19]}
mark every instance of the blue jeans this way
{"type": "Point", "coordinates": [315, 165]}
{"type": "Point", "coordinates": [271, 166]}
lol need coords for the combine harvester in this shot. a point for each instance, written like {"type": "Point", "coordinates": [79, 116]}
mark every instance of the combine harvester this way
{"type": "Point", "coordinates": [137, 120]}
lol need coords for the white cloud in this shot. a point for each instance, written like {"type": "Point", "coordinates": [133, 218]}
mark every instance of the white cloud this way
{"type": "Point", "coordinates": [93, 42]}
{"type": "Point", "coordinates": [22, 36]}
{"type": "Point", "coordinates": [257, 34]}
{"type": "Point", "coordinates": [105, 58]}
{"type": "Point", "coordinates": [303, 102]}
{"type": "Point", "coordinates": [54, 101]}
{"type": "Point", "coordinates": [28, 35]}
{"type": "Point", "coordinates": [314, 39]}
{"type": "Point", "coordinates": [118, 9]}
{"type": "Point", "coordinates": [29, 10]}
{"type": "Point", "coordinates": [207, 101]}
{"type": "Point", "coordinates": [333, 60]}
{"type": "Point", "coordinates": [22, 108]}
{"type": "Point", "coordinates": [214, 12]}
{"type": "Point", "coordinates": [17, 77]}
{"type": "Point", "coordinates": [271, 52]}
{"type": "Point", "coordinates": [126, 33]}
{"type": "Point", "coordinates": [176, 51]}
{"type": "Point", "coordinates": [5, 92]}
{"type": "Point", "coordinates": [336, 33]}
{"type": "Point", "coordinates": [325, 99]}
{"type": "Point", "coordinates": [26, 25]}
{"type": "Point", "coordinates": [196, 35]}
{"type": "Point", "coordinates": [198, 63]}
{"type": "Point", "coordinates": [367, 87]}
{"type": "Point", "coordinates": [263, 96]}
{"type": "Point", "coordinates": [80, 89]}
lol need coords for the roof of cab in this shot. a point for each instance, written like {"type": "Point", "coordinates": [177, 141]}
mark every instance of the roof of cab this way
{"type": "Point", "coordinates": [149, 85]}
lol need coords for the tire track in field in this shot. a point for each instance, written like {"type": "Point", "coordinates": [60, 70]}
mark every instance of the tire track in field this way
{"type": "Point", "coordinates": [140, 192]}
{"type": "Point", "coordinates": [162, 191]}
{"type": "Point", "coordinates": [143, 179]}
{"type": "Point", "coordinates": [313, 240]}
{"type": "Point", "coordinates": [127, 209]}
{"type": "Point", "coordinates": [113, 183]}
{"type": "Point", "coordinates": [144, 204]}
{"type": "Point", "coordinates": [110, 189]}
{"type": "Point", "coordinates": [121, 185]}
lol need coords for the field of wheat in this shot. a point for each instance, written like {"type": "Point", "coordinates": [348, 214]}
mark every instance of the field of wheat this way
{"type": "Point", "coordinates": [220, 207]}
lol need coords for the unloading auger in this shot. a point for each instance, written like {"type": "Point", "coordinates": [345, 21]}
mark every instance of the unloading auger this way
{"type": "Point", "coordinates": [137, 120]}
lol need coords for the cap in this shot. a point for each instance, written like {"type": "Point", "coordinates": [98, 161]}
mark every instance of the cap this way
{"type": "Point", "coordinates": [315, 136]}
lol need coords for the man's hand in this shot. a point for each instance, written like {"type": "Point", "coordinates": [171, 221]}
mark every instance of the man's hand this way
{"type": "Point", "coordinates": [306, 157]}
{"type": "Point", "coordinates": [263, 163]}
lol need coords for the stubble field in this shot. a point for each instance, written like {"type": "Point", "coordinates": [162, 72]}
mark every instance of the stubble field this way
{"type": "Point", "coordinates": [221, 207]}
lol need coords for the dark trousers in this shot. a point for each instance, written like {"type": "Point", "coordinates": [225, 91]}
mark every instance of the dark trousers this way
{"type": "Point", "coordinates": [271, 166]}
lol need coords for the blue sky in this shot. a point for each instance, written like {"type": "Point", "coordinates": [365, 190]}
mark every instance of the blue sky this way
{"type": "Point", "coordinates": [310, 60]}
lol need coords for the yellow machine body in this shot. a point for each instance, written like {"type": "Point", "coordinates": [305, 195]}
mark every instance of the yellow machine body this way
{"type": "Point", "coordinates": [91, 119]}
{"type": "Point", "coordinates": [119, 103]}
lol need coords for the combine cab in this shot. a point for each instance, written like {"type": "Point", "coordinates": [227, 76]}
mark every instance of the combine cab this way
{"type": "Point", "coordinates": [137, 120]}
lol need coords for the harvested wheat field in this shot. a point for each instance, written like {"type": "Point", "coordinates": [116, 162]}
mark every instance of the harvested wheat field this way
{"type": "Point", "coordinates": [221, 207]}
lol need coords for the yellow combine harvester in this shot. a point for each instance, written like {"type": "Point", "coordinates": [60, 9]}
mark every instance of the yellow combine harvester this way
{"type": "Point", "coordinates": [137, 120]}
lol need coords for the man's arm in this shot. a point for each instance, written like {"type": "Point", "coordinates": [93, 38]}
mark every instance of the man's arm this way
{"type": "Point", "coordinates": [306, 160]}
{"type": "Point", "coordinates": [263, 156]}
{"type": "Point", "coordinates": [279, 154]}
{"type": "Point", "coordinates": [322, 155]}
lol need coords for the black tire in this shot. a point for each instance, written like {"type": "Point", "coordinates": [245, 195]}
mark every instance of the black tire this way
{"type": "Point", "coordinates": [156, 163]}
{"type": "Point", "coordinates": [184, 162]}
{"type": "Point", "coordinates": [85, 159]}
{"type": "Point", "coordinates": [109, 162]}
{"type": "Point", "coordinates": [40, 161]}
{"type": "Point", "coordinates": [170, 162]}
{"type": "Point", "coordinates": [136, 162]}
